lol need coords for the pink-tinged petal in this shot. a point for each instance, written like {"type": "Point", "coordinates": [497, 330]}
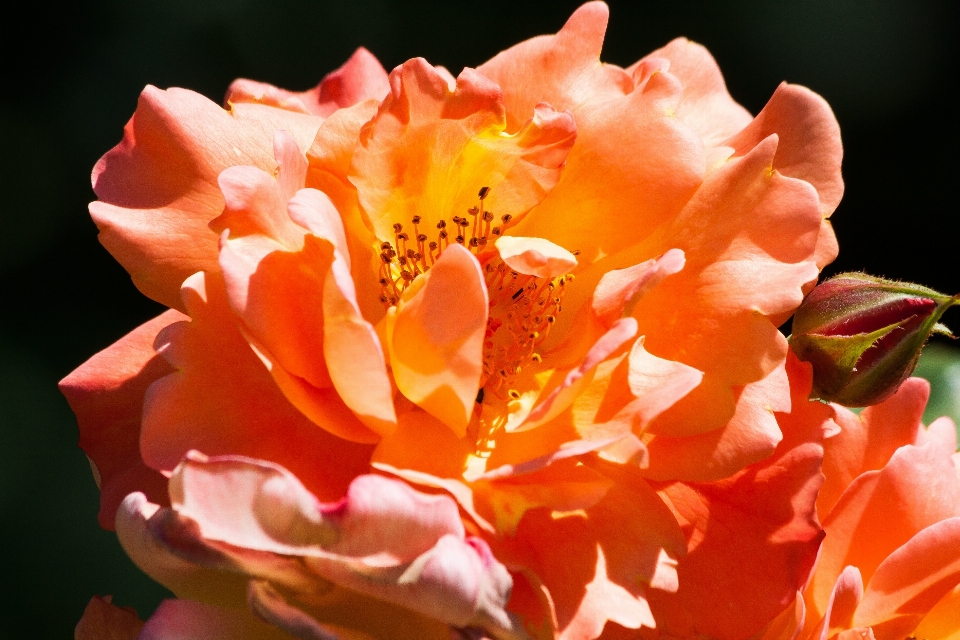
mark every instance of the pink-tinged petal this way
{"type": "Point", "coordinates": [535, 257]}
{"type": "Point", "coordinates": [838, 616]}
{"type": "Point", "coordinates": [184, 578]}
{"type": "Point", "coordinates": [103, 620]}
{"type": "Point", "coordinates": [943, 432]}
{"type": "Point", "coordinates": [431, 148]}
{"type": "Point", "coordinates": [912, 579]}
{"type": "Point", "coordinates": [809, 149]}
{"type": "Point", "coordinates": [192, 620]}
{"type": "Point", "coordinates": [106, 394]}
{"type": "Point", "coordinates": [158, 188]}
{"type": "Point", "coordinates": [563, 69]}
{"type": "Point", "coordinates": [222, 400]}
{"type": "Point", "coordinates": [753, 537]}
{"type": "Point", "coordinates": [705, 105]}
{"type": "Point", "coordinates": [633, 168]}
{"type": "Point", "coordinates": [866, 442]}
{"type": "Point", "coordinates": [435, 337]}
{"type": "Point", "coordinates": [602, 563]}
{"type": "Point", "coordinates": [941, 621]}
{"type": "Point", "coordinates": [260, 506]}
{"type": "Point", "coordinates": [383, 540]}
{"type": "Point", "coordinates": [361, 77]}
{"type": "Point", "coordinates": [880, 511]}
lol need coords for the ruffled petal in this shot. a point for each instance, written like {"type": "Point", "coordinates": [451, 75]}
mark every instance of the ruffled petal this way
{"type": "Point", "coordinates": [361, 77]}
{"type": "Point", "coordinates": [563, 70]}
{"type": "Point", "coordinates": [192, 620]}
{"type": "Point", "coordinates": [705, 105]}
{"type": "Point", "coordinates": [287, 272]}
{"type": "Point", "coordinates": [223, 400]}
{"type": "Point", "coordinates": [633, 168]}
{"type": "Point", "coordinates": [158, 188]}
{"type": "Point", "coordinates": [106, 394]}
{"type": "Point", "coordinates": [432, 147]}
{"type": "Point", "coordinates": [435, 338]}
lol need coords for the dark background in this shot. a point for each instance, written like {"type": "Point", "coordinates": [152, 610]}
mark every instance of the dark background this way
{"type": "Point", "coordinates": [71, 75]}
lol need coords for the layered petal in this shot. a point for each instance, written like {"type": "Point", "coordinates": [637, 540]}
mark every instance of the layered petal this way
{"type": "Point", "coordinates": [867, 442]}
{"type": "Point", "coordinates": [752, 538]}
{"type": "Point", "coordinates": [158, 188]}
{"type": "Point", "coordinates": [914, 490]}
{"type": "Point", "coordinates": [361, 77]}
{"type": "Point", "coordinates": [222, 399]}
{"type": "Point", "coordinates": [287, 271]}
{"type": "Point", "coordinates": [106, 394]}
{"type": "Point", "coordinates": [383, 540]}
{"type": "Point", "coordinates": [705, 104]}
{"type": "Point", "coordinates": [433, 146]}
{"type": "Point", "coordinates": [435, 337]}
{"type": "Point", "coordinates": [563, 70]}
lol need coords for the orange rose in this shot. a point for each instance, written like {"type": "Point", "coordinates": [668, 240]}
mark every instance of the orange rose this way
{"type": "Point", "coordinates": [889, 567]}
{"type": "Point", "coordinates": [547, 289]}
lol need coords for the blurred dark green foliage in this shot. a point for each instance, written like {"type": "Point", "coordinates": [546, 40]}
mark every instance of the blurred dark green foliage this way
{"type": "Point", "coordinates": [71, 73]}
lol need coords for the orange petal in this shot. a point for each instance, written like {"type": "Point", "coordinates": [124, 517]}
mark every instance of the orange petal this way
{"type": "Point", "coordinates": [432, 147]}
{"type": "Point", "coordinates": [838, 616]}
{"type": "Point", "coordinates": [633, 168]}
{"type": "Point", "coordinates": [435, 337]}
{"type": "Point", "coordinates": [866, 442]}
{"type": "Point", "coordinates": [942, 621]}
{"type": "Point", "coordinates": [360, 78]}
{"type": "Point", "coordinates": [158, 187]}
{"type": "Point", "coordinates": [106, 394]}
{"type": "Point", "coordinates": [809, 148]}
{"type": "Point", "coordinates": [563, 70]}
{"type": "Point", "coordinates": [882, 510]}
{"type": "Point", "coordinates": [752, 538]}
{"type": "Point", "coordinates": [600, 563]}
{"type": "Point", "coordinates": [222, 400]}
{"type": "Point", "coordinates": [912, 579]}
{"type": "Point", "coordinates": [751, 435]}
{"type": "Point", "coordinates": [705, 105]}
{"type": "Point", "coordinates": [105, 621]}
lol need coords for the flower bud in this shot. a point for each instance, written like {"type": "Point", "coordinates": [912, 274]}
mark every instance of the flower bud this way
{"type": "Point", "coordinates": [863, 335]}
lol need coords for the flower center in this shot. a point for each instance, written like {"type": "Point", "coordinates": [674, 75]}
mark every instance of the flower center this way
{"type": "Point", "coordinates": [404, 259]}
{"type": "Point", "coordinates": [523, 307]}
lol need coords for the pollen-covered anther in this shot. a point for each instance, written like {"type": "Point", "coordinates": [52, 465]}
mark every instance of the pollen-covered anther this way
{"type": "Point", "coordinates": [401, 264]}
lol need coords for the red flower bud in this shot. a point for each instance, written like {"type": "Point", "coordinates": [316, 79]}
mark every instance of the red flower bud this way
{"type": "Point", "coordinates": [863, 335]}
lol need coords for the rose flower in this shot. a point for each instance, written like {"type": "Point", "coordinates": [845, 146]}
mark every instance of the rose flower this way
{"type": "Point", "coordinates": [488, 355]}
{"type": "Point", "coordinates": [889, 567]}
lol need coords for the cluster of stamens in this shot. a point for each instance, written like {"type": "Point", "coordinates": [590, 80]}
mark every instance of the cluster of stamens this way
{"type": "Point", "coordinates": [406, 258]}
{"type": "Point", "coordinates": [523, 308]}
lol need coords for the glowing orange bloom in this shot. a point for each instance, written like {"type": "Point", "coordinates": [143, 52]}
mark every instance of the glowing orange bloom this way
{"type": "Point", "coordinates": [547, 289]}
{"type": "Point", "coordinates": [889, 567]}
